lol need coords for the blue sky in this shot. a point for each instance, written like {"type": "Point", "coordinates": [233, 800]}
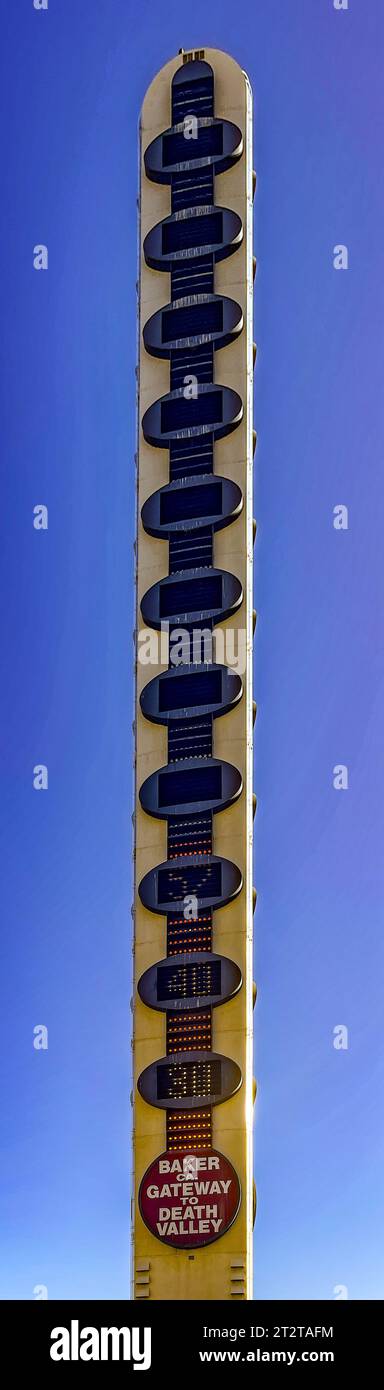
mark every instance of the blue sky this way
{"type": "Point", "coordinates": [73, 81]}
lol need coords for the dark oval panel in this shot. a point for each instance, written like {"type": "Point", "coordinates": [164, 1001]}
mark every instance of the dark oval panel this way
{"type": "Point", "coordinates": [188, 1080]}
{"type": "Point", "coordinates": [191, 596]}
{"type": "Point", "coordinates": [192, 233]}
{"type": "Point", "coordinates": [213, 880]}
{"type": "Point", "coordinates": [192, 321]}
{"type": "Point", "coordinates": [190, 503]}
{"type": "Point", "coordinates": [190, 787]}
{"type": "Point", "coordinates": [216, 410]}
{"type": "Point", "coordinates": [218, 143]}
{"type": "Point", "coordinates": [190, 982]}
{"type": "Point", "coordinates": [190, 692]}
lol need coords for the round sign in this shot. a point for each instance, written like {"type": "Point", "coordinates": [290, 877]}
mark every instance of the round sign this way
{"type": "Point", "coordinates": [189, 1199]}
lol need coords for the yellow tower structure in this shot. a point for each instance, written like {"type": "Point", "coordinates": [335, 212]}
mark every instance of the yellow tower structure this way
{"type": "Point", "coordinates": [194, 807]}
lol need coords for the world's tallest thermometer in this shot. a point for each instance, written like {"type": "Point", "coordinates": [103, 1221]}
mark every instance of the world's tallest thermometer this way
{"type": "Point", "coordinates": [194, 805]}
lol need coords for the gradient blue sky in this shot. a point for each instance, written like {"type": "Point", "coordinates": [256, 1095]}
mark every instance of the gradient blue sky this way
{"type": "Point", "coordinates": [73, 79]}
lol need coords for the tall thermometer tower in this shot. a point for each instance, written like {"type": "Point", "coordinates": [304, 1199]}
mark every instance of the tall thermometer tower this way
{"type": "Point", "coordinates": [194, 805]}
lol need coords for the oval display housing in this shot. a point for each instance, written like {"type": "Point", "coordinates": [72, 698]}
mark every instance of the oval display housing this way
{"type": "Point", "coordinates": [193, 233]}
{"type": "Point", "coordinates": [190, 786]}
{"type": "Point", "coordinates": [216, 410]}
{"type": "Point", "coordinates": [189, 1080]}
{"type": "Point", "coordinates": [190, 982]}
{"type": "Point", "coordinates": [190, 596]}
{"type": "Point", "coordinates": [189, 322]}
{"type": "Point", "coordinates": [189, 692]}
{"type": "Point", "coordinates": [191, 503]}
{"type": "Point", "coordinates": [216, 142]}
{"type": "Point", "coordinates": [213, 880]}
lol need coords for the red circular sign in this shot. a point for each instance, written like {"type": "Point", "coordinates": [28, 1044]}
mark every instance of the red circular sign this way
{"type": "Point", "coordinates": [189, 1199]}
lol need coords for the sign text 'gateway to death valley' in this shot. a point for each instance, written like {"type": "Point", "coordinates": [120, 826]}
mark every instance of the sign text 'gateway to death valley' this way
{"type": "Point", "coordinates": [189, 1199]}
